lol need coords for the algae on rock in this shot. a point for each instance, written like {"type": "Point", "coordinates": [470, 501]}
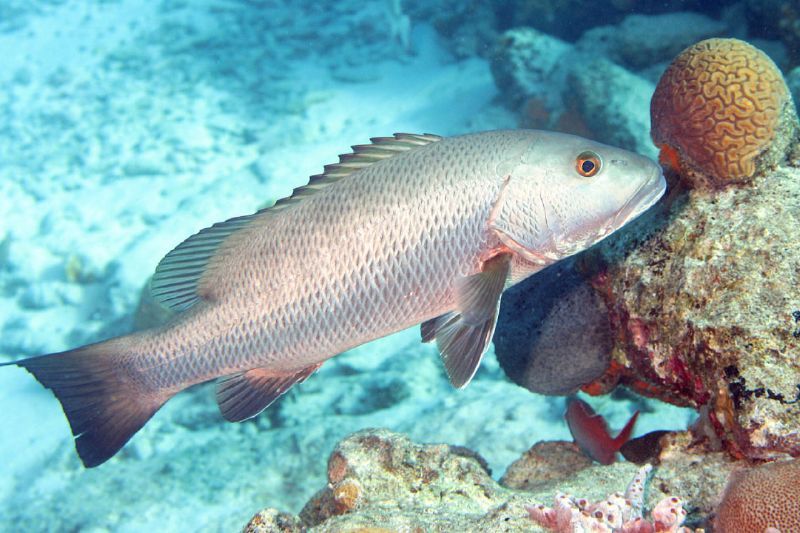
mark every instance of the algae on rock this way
{"type": "Point", "coordinates": [380, 479]}
{"type": "Point", "coordinates": [705, 309]}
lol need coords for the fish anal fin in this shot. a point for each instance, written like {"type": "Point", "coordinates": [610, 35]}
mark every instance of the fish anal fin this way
{"type": "Point", "coordinates": [244, 395]}
{"type": "Point", "coordinates": [462, 336]}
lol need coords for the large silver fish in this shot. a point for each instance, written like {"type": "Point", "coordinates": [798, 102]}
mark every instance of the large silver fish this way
{"type": "Point", "coordinates": [406, 230]}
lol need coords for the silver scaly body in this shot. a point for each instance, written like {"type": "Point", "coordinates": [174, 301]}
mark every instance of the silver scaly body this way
{"type": "Point", "coordinates": [410, 229]}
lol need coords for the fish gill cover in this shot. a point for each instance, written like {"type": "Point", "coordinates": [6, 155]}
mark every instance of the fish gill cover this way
{"type": "Point", "coordinates": [128, 125]}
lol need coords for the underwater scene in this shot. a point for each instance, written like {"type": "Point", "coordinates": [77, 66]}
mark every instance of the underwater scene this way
{"type": "Point", "coordinates": [400, 265]}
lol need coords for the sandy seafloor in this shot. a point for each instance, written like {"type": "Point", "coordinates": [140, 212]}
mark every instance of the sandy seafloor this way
{"type": "Point", "coordinates": [127, 126]}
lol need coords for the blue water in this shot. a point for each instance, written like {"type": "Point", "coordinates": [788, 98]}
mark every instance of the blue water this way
{"type": "Point", "coordinates": [127, 125]}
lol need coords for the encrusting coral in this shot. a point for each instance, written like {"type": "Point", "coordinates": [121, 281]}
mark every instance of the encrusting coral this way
{"type": "Point", "coordinates": [759, 498]}
{"type": "Point", "coordinates": [617, 513]}
{"type": "Point", "coordinates": [722, 113]}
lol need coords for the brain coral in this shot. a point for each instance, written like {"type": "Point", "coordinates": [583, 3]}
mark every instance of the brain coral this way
{"type": "Point", "coordinates": [759, 498]}
{"type": "Point", "coordinates": [721, 112]}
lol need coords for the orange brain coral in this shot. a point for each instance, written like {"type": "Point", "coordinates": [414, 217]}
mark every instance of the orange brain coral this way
{"type": "Point", "coordinates": [718, 105]}
{"type": "Point", "coordinates": [760, 498]}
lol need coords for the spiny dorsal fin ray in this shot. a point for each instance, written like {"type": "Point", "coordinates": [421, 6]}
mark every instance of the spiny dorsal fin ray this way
{"type": "Point", "coordinates": [363, 155]}
{"type": "Point", "coordinates": [380, 148]}
{"type": "Point", "coordinates": [177, 279]}
{"type": "Point", "coordinates": [462, 336]}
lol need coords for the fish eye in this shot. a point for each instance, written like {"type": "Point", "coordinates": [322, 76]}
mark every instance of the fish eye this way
{"type": "Point", "coordinates": [588, 164]}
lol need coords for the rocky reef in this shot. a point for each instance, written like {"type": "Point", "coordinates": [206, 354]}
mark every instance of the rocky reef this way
{"type": "Point", "coordinates": [699, 303]}
{"type": "Point", "coordinates": [666, 35]}
{"type": "Point", "coordinates": [700, 298]}
{"type": "Point", "coordinates": [704, 300]}
{"type": "Point", "coordinates": [379, 479]}
{"type": "Point", "coordinates": [704, 310]}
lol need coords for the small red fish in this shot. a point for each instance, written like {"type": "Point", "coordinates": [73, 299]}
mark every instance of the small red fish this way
{"type": "Point", "coordinates": [591, 432]}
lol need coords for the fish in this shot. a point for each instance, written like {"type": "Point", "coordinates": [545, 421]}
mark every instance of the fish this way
{"type": "Point", "coordinates": [644, 449]}
{"type": "Point", "coordinates": [408, 229]}
{"type": "Point", "coordinates": [591, 432]}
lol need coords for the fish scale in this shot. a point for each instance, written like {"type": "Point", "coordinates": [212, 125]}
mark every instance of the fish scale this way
{"type": "Point", "coordinates": [413, 229]}
{"type": "Point", "coordinates": [362, 294]}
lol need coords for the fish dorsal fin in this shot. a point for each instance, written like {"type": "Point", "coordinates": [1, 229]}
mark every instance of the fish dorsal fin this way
{"type": "Point", "coordinates": [242, 396]}
{"type": "Point", "coordinates": [176, 283]}
{"type": "Point", "coordinates": [362, 156]}
{"type": "Point", "coordinates": [462, 336]}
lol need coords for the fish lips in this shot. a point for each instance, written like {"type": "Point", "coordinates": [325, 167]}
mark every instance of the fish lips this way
{"type": "Point", "coordinates": [643, 199]}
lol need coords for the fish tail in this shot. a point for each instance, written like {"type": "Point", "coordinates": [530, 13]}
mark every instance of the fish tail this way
{"type": "Point", "coordinates": [625, 433]}
{"type": "Point", "coordinates": [103, 404]}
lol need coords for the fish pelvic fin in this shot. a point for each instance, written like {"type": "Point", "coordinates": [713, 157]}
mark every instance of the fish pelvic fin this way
{"type": "Point", "coordinates": [244, 395]}
{"type": "Point", "coordinates": [103, 405]}
{"type": "Point", "coordinates": [463, 336]}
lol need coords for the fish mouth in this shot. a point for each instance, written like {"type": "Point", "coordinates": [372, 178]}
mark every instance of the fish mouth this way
{"type": "Point", "coordinates": [645, 196]}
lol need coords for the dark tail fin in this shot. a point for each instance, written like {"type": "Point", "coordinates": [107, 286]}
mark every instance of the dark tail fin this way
{"type": "Point", "coordinates": [104, 406]}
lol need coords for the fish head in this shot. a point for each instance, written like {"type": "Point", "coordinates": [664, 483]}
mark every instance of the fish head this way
{"type": "Point", "coordinates": [565, 193]}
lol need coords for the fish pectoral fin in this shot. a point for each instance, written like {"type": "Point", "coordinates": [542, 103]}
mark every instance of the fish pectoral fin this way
{"type": "Point", "coordinates": [463, 336]}
{"type": "Point", "coordinates": [526, 252]}
{"type": "Point", "coordinates": [244, 395]}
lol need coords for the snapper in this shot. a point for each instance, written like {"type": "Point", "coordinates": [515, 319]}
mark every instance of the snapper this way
{"type": "Point", "coordinates": [410, 229]}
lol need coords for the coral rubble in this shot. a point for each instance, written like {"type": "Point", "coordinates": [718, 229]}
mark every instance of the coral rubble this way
{"type": "Point", "coordinates": [722, 113]}
{"type": "Point", "coordinates": [557, 85]}
{"type": "Point", "coordinates": [641, 41]}
{"type": "Point", "coordinates": [529, 64]}
{"type": "Point", "coordinates": [599, 92]}
{"type": "Point", "coordinates": [378, 478]}
{"type": "Point", "coordinates": [543, 462]}
{"type": "Point", "coordinates": [381, 479]}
